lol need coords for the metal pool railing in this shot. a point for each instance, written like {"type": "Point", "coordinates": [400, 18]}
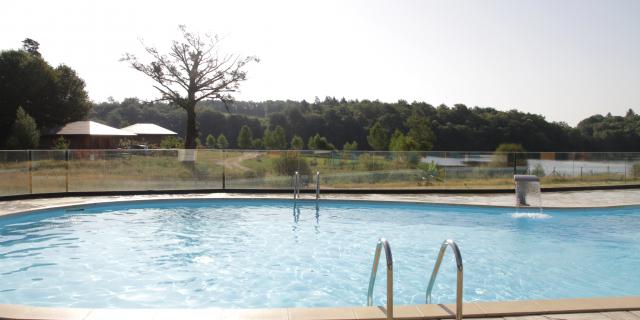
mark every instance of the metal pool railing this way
{"type": "Point", "coordinates": [296, 186]}
{"type": "Point", "coordinates": [382, 243]}
{"type": "Point", "coordinates": [456, 251]}
{"type": "Point", "coordinates": [317, 185]}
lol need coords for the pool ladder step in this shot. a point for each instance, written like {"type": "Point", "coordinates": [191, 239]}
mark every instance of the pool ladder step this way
{"type": "Point", "coordinates": [296, 185]}
{"type": "Point", "coordinates": [383, 243]}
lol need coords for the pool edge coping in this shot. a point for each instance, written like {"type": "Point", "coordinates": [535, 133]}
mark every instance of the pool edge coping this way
{"type": "Point", "coordinates": [419, 311]}
{"type": "Point", "coordinates": [104, 200]}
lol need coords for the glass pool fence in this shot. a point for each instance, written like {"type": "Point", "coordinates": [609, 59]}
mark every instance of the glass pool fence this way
{"type": "Point", "coordinates": [57, 171]}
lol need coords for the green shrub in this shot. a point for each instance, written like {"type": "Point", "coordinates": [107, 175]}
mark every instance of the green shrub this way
{"type": "Point", "coordinates": [60, 144]}
{"type": "Point", "coordinates": [369, 163]}
{"type": "Point", "coordinates": [430, 169]}
{"type": "Point", "coordinates": [172, 143]}
{"type": "Point", "coordinates": [538, 170]}
{"type": "Point", "coordinates": [289, 163]}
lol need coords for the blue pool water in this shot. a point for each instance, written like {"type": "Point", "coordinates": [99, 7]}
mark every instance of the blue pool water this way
{"type": "Point", "coordinates": [263, 253]}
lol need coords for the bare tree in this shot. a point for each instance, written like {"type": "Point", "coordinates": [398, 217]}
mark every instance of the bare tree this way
{"type": "Point", "coordinates": [193, 71]}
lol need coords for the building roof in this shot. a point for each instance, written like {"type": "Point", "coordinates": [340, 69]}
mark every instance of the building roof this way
{"type": "Point", "coordinates": [90, 128]}
{"type": "Point", "coordinates": [148, 128]}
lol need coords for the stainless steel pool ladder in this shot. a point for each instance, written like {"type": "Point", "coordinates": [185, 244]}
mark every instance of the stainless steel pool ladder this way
{"type": "Point", "coordinates": [296, 186]}
{"type": "Point", "coordinates": [317, 185]}
{"type": "Point", "coordinates": [372, 280]}
{"type": "Point", "coordinates": [456, 251]}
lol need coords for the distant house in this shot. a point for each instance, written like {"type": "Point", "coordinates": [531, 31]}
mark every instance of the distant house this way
{"type": "Point", "coordinates": [149, 133]}
{"type": "Point", "coordinates": [87, 135]}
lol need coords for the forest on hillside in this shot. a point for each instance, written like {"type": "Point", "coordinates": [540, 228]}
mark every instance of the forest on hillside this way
{"type": "Point", "coordinates": [456, 127]}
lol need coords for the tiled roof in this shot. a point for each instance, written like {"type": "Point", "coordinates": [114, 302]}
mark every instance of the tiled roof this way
{"type": "Point", "coordinates": [91, 128]}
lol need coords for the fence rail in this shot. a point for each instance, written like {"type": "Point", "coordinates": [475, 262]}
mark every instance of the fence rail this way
{"type": "Point", "coordinates": [58, 171]}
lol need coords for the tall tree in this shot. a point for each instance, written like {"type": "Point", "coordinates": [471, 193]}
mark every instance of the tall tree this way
{"type": "Point", "coordinates": [191, 72]}
{"type": "Point", "coordinates": [53, 97]}
{"type": "Point", "coordinates": [31, 46]}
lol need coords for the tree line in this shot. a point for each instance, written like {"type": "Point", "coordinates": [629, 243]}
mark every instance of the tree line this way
{"type": "Point", "coordinates": [375, 125]}
{"type": "Point", "coordinates": [36, 97]}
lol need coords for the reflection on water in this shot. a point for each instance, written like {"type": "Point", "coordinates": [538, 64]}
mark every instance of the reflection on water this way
{"type": "Point", "coordinates": [296, 212]}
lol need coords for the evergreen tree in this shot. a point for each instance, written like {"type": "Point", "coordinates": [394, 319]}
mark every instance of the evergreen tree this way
{"type": "Point", "coordinates": [311, 143]}
{"type": "Point", "coordinates": [278, 139]}
{"type": "Point", "coordinates": [222, 142]}
{"type": "Point", "coordinates": [318, 142]}
{"type": "Point", "coordinates": [397, 142]}
{"type": "Point", "coordinates": [245, 138]}
{"type": "Point", "coordinates": [210, 142]}
{"type": "Point", "coordinates": [257, 144]}
{"type": "Point", "coordinates": [297, 143]}
{"type": "Point", "coordinates": [378, 138]}
{"type": "Point", "coordinates": [420, 132]}
{"type": "Point", "coordinates": [24, 132]}
{"type": "Point", "coordinates": [267, 139]}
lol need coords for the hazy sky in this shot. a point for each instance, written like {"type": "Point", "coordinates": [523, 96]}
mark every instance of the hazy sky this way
{"type": "Point", "coordinates": [563, 59]}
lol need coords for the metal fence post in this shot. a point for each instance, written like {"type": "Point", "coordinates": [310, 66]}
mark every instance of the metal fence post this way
{"type": "Point", "coordinates": [625, 168]}
{"type": "Point", "coordinates": [66, 179]}
{"type": "Point", "coordinates": [444, 177]}
{"type": "Point", "coordinates": [30, 178]}
{"type": "Point", "coordinates": [224, 160]}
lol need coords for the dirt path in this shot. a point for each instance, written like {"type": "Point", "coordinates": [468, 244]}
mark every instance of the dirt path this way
{"type": "Point", "coordinates": [236, 162]}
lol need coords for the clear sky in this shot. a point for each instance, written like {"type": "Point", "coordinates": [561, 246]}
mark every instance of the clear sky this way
{"type": "Point", "coordinates": [564, 59]}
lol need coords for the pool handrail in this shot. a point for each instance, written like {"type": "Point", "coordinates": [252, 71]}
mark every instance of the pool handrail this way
{"type": "Point", "coordinates": [296, 185]}
{"type": "Point", "coordinates": [317, 185]}
{"type": "Point", "coordinates": [382, 242]}
{"type": "Point", "coordinates": [456, 251]}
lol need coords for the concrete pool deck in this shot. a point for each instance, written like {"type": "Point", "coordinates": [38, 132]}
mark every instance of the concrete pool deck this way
{"type": "Point", "coordinates": [560, 199]}
{"type": "Point", "coordinates": [620, 308]}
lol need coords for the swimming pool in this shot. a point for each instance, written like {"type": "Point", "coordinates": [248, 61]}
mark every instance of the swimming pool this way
{"type": "Point", "coordinates": [268, 253]}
